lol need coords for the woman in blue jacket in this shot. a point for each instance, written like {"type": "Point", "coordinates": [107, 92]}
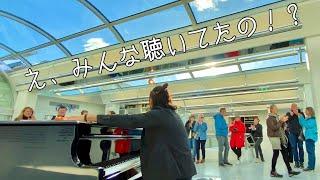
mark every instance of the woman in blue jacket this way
{"type": "Point", "coordinates": [200, 128]}
{"type": "Point", "coordinates": [309, 125]}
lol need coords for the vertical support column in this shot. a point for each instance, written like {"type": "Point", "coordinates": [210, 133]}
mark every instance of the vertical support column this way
{"type": "Point", "coordinates": [308, 96]}
{"type": "Point", "coordinates": [109, 106]}
{"type": "Point", "coordinates": [313, 65]}
{"type": "Point", "coordinates": [24, 98]}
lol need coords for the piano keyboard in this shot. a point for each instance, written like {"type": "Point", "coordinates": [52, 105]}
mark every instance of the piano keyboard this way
{"type": "Point", "coordinates": [114, 167]}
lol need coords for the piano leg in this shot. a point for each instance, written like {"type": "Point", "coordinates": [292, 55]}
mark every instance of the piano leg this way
{"type": "Point", "coordinates": [101, 173]}
{"type": "Point", "coordinates": [83, 151]}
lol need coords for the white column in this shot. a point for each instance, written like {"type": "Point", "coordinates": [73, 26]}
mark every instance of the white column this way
{"type": "Point", "coordinates": [308, 96]}
{"type": "Point", "coordinates": [24, 98]}
{"type": "Point", "coordinates": [109, 106]}
{"type": "Point", "coordinates": [313, 65]}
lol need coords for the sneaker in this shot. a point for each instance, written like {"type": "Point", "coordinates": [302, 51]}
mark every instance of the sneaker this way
{"type": "Point", "coordinates": [301, 166]}
{"type": "Point", "coordinates": [293, 173]}
{"type": "Point", "coordinates": [257, 160]}
{"type": "Point", "coordinates": [222, 165]}
{"type": "Point", "coordinates": [276, 175]}
{"type": "Point", "coordinates": [296, 165]}
{"type": "Point", "coordinates": [202, 161]}
{"type": "Point", "coordinates": [227, 163]}
{"type": "Point", "coordinates": [262, 160]}
{"type": "Point", "coordinates": [308, 169]}
{"type": "Point", "coordinates": [197, 162]}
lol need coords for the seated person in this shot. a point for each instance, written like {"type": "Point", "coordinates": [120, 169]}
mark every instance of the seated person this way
{"type": "Point", "coordinates": [27, 113]}
{"type": "Point", "coordinates": [62, 110]}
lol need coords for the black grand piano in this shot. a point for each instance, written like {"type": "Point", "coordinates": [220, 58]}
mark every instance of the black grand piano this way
{"type": "Point", "coordinates": [53, 150]}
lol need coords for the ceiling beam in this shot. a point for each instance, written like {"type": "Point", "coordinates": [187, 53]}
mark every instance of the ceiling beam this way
{"type": "Point", "coordinates": [105, 21]}
{"type": "Point", "coordinates": [15, 54]}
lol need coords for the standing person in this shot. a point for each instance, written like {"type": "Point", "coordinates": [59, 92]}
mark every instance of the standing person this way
{"type": "Point", "coordinates": [27, 113]}
{"type": "Point", "coordinates": [257, 134]}
{"type": "Point", "coordinates": [189, 129]}
{"type": "Point", "coordinates": [84, 145]}
{"type": "Point", "coordinates": [62, 111]}
{"type": "Point", "coordinates": [276, 138]}
{"type": "Point", "coordinates": [238, 130]}
{"type": "Point", "coordinates": [309, 125]}
{"type": "Point", "coordinates": [165, 153]}
{"type": "Point", "coordinates": [200, 128]}
{"type": "Point", "coordinates": [122, 146]}
{"type": "Point", "coordinates": [105, 145]}
{"type": "Point", "coordinates": [221, 129]}
{"type": "Point", "coordinates": [295, 131]}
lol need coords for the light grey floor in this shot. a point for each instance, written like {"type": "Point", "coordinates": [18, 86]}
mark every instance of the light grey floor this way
{"type": "Point", "coordinates": [248, 170]}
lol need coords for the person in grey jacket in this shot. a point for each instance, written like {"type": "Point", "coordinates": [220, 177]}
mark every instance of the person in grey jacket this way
{"type": "Point", "coordinates": [276, 136]}
{"type": "Point", "coordinates": [165, 154]}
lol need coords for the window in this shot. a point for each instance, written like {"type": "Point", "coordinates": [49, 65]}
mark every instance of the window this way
{"type": "Point", "coordinates": [166, 20]}
{"type": "Point", "coordinates": [58, 17]}
{"type": "Point", "coordinates": [214, 71]}
{"type": "Point", "coordinates": [205, 10]}
{"type": "Point", "coordinates": [175, 77]}
{"type": "Point", "coordinates": [18, 36]}
{"type": "Point", "coordinates": [270, 63]}
{"type": "Point", "coordinates": [90, 41]}
{"type": "Point", "coordinates": [47, 54]}
{"type": "Point", "coordinates": [121, 9]}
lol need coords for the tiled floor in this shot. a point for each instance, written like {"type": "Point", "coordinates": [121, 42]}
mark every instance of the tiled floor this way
{"type": "Point", "coordinates": [248, 170]}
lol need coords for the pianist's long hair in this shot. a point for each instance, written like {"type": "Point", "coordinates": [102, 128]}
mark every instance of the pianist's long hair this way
{"type": "Point", "coordinates": [160, 96]}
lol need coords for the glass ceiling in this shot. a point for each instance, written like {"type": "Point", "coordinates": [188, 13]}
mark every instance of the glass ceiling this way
{"type": "Point", "coordinates": [43, 31]}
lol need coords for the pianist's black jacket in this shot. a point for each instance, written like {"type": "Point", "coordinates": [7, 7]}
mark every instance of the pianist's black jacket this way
{"type": "Point", "coordinates": [164, 148]}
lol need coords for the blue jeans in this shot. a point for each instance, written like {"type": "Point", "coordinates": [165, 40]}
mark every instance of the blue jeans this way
{"type": "Point", "coordinates": [296, 148]}
{"type": "Point", "coordinates": [192, 147]}
{"type": "Point", "coordinates": [311, 153]}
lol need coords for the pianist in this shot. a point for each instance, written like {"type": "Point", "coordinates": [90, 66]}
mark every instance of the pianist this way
{"type": "Point", "coordinates": [27, 113]}
{"type": "Point", "coordinates": [165, 154]}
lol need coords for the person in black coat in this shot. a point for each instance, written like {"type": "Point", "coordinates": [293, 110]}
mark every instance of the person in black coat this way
{"type": "Point", "coordinates": [164, 143]}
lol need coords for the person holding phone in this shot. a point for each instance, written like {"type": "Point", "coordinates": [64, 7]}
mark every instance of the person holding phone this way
{"type": "Point", "coordinates": [191, 139]}
{"type": "Point", "coordinates": [309, 124]}
{"type": "Point", "coordinates": [274, 125]}
{"type": "Point", "coordinates": [237, 129]}
{"type": "Point", "coordinates": [256, 130]}
{"type": "Point", "coordinates": [200, 128]}
{"type": "Point", "coordinates": [295, 135]}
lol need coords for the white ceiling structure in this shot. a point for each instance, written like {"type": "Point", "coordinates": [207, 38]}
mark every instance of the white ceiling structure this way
{"type": "Point", "coordinates": [201, 80]}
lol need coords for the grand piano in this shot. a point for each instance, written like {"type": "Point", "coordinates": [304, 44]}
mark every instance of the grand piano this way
{"type": "Point", "coordinates": [53, 150]}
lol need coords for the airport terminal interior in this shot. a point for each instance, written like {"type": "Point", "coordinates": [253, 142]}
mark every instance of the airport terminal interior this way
{"type": "Point", "coordinates": [98, 56]}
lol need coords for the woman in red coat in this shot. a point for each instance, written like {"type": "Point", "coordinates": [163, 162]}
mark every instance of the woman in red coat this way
{"type": "Point", "coordinates": [237, 129]}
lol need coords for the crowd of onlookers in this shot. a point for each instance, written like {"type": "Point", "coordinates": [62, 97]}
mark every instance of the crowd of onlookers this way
{"type": "Point", "coordinates": [286, 134]}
